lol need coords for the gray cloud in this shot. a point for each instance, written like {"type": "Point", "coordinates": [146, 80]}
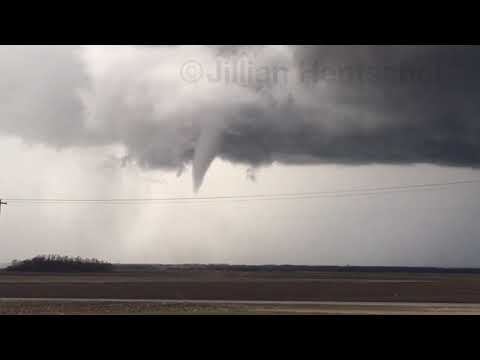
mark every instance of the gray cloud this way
{"type": "Point", "coordinates": [385, 104]}
{"type": "Point", "coordinates": [38, 94]}
{"type": "Point", "coordinates": [365, 104]}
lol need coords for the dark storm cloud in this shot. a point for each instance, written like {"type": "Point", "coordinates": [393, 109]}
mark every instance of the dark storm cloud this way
{"type": "Point", "coordinates": [406, 104]}
{"type": "Point", "coordinates": [353, 105]}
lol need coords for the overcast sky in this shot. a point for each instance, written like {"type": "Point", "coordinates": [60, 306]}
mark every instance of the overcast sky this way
{"type": "Point", "coordinates": [97, 122]}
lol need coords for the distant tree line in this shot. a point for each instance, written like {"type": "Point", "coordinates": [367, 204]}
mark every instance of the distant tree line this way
{"type": "Point", "coordinates": [293, 268]}
{"type": "Point", "coordinates": [57, 263]}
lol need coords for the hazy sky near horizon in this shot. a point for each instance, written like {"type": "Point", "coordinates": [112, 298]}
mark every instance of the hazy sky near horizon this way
{"type": "Point", "coordinates": [96, 122]}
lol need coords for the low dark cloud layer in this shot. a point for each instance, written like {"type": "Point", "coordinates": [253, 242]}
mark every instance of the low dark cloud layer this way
{"type": "Point", "coordinates": [403, 104]}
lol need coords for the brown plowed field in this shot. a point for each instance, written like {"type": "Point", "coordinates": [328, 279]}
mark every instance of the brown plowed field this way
{"type": "Point", "coordinates": [237, 285]}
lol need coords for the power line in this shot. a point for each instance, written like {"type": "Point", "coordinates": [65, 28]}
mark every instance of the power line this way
{"type": "Point", "coordinates": [209, 201]}
{"type": "Point", "coordinates": [279, 196]}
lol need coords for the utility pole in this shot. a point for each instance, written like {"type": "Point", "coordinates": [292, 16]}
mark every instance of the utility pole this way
{"type": "Point", "coordinates": [2, 203]}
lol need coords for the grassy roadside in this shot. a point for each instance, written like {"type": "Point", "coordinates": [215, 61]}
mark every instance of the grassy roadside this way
{"type": "Point", "coordinates": [72, 308]}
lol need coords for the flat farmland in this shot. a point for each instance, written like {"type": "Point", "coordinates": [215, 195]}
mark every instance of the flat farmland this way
{"type": "Point", "coordinates": [280, 286]}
